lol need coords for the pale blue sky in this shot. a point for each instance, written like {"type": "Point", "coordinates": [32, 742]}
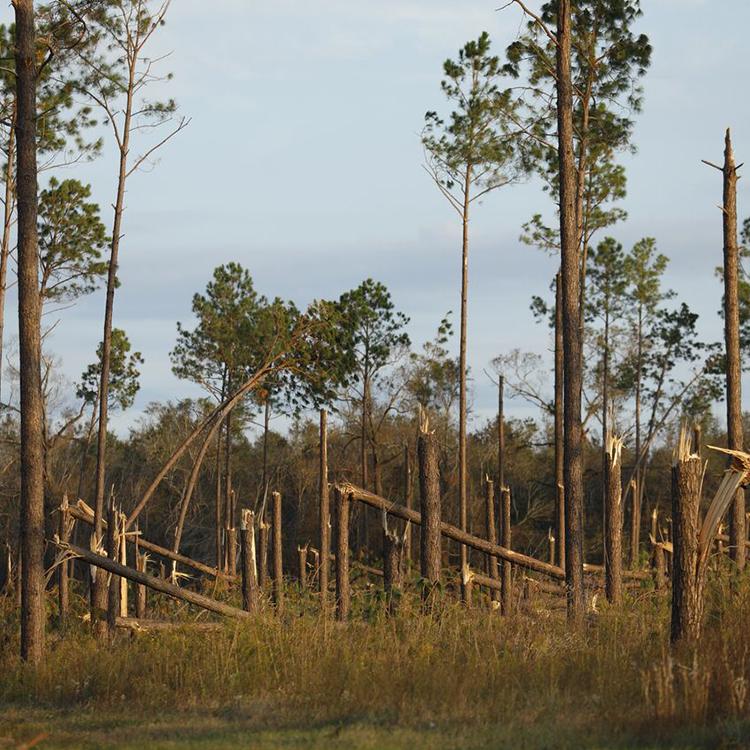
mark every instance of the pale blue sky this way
{"type": "Point", "coordinates": [303, 163]}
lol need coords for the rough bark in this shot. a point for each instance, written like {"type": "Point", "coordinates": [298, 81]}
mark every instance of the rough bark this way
{"type": "Point", "coordinates": [493, 569]}
{"type": "Point", "coordinates": [63, 532]}
{"type": "Point", "coordinates": [737, 533]}
{"type": "Point", "coordinates": [140, 589]}
{"type": "Point", "coordinates": [506, 594]}
{"type": "Point", "coordinates": [687, 583]}
{"type": "Point", "coordinates": [277, 593]}
{"type": "Point", "coordinates": [113, 551]}
{"type": "Point", "coordinates": [429, 496]}
{"type": "Point", "coordinates": [231, 541]}
{"type": "Point", "coordinates": [250, 590]}
{"type": "Point", "coordinates": [559, 436]}
{"type": "Point", "coordinates": [342, 502]}
{"type": "Point", "coordinates": [29, 312]}
{"type": "Point", "coordinates": [324, 506]}
{"type": "Point", "coordinates": [613, 535]}
{"type": "Point", "coordinates": [572, 364]}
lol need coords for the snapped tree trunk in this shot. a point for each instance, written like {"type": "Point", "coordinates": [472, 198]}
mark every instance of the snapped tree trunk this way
{"type": "Point", "coordinates": [687, 580]}
{"type": "Point", "coordinates": [506, 598]}
{"type": "Point", "coordinates": [393, 549]}
{"type": "Point", "coordinates": [613, 535]}
{"type": "Point", "coordinates": [429, 495]}
{"type": "Point", "coordinates": [250, 591]}
{"type": "Point", "coordinates": [278, 572]}
{"type": "Point", "coordinates": [572, 363]}
{"type": "Point", "coordinates": [737, 533]}
{"type": "Point", "coordinates": [63, 532]}
{"type": "Point", "coordinates": [493, 569]}
{"type": "Point", "coordinates": [30, 348]}
{"type": "Point", "coordinates": [408, 502]}
{"type": "Point", "coordinates": [342, 503]}
{"type": "Point", "coordinates": [324, 519]}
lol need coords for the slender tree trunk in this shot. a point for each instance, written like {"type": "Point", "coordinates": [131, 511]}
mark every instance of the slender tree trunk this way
{"type": "Point", "coordinates": [218, 516]}
{"type": "Point", "coordinates": [29, 323]}
{"type": "Point", "coordinates": [408, 502]}
{"type": "Point", "coordinates": [635, 522]}
{"type": "Point", "coordinates": [687, 583]}
{"type": "Point", "coordinates": [393, 549]}
{"type": "Point", "coordinates": [429, 492]}
{"type": "Point", "coordinates": [737, 533]}
{"type": "Point", "coordinates": [7, 224]}
{"type": "Point", "coordinates": [613, 535]}
{"type": "Point", "coordinates": [63, 531]}
{"type": "Point", "coordinates": [493, 570]}
{"type": "Point", "coordinates": [100, 592]}
{"type": "Point", "coordinates": [343, 504]}
{"type": "Point", "coordinates": [570, 277]}
{"type": "Point", "coordinates": [324, 511]}
{"type": "Point", "coordinates": [635, 531]}
{"type": "Point", "coordinates": [506, 599]}
{"type": "Point", "coordinates": [559, 437]}
{"type": "Point", "coordinates": [462, 479]}
{"type": "Point", "coordinates": [500, 433]}
{"type": "Point", "coordinates": [278, 570]}
{"type": "Point", "coordinates": [263, 553]}
{"type": "Point", "coordinates": [228, 500]}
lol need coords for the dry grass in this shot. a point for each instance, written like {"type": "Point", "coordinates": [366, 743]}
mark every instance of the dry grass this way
{"type": "Point", "coordinates": [456, 670]}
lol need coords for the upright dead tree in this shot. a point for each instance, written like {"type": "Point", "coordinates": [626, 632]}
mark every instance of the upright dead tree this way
{"type": "Point", "coordinates": [506, 598]}
{"type": "Point", "coordinates": [278, 572]}
{"type": "Point", "coordinates": [250, 591]}
{"type": "Point", "coordinates": [343, 597]}
{"type": "Point", "coordinates": [324, 510]}
{"type": "Point", "coordinates": [408, 502]}
{"type": "Point", "coordinates": [687, 579]}
{"type": "Point", "coordinates": [737, 533]}
{"type": "Point", "coordinates": [613, 519]}
{"type": "Point", "coordinates": [29, 312]}
{"type": "Point", "coordinates": [493, 570]}
{"type": "Point", "coordinates": [116, 84]}
{"type": "Point", "coordinates": [393, 560]}
{"type": "Point", "coordinates": [429, 495]}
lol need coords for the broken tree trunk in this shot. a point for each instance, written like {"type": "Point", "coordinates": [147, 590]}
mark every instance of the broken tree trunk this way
{"type": "Point", "coordinates": [342, 501]}
{"type": "Point", "coordinates": [263, 551]}
{"type": "Point", "coordinates": [324, 511]}
{"type": "Point", "coordinates": [429, 495]}
{"type": "Point", "coordinates": [687, 581]}
{"type": "Point", "coordinates": [250, 591]}
{"type": "Point", "coordinates": [231, 542]}
{"type": "Point", "coordinates": [613, 516]}
{"type": "Point", "coordinates": [393, 551]}
{"type": "Point", "coordinates": [506, 594]}
{"type": "Point", "coordinates": [113, 550]}
{"type": "Point", "coordinates": [140, 589]}
{"type": "Point", "coordinates": [408, 552]}
{"type": "Point", "coordinates": [153, 582]}
{"type": "Point", "coordinates": [493, 569]}
{"type": "Point", "coordinates": [64, 528]}
{"type": "Point", "coordinates": [302, 566]}
{"type": "Point", "coordinates": [277, 593]}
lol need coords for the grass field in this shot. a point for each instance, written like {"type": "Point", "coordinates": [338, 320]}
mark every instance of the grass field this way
{"type": "Point", "coordinates": [448, 679]}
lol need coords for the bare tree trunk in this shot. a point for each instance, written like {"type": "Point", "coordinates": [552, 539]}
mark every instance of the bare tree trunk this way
{"type": "Point", "coordinates": [408, 502]}
{"type": "Point", "coordinates": [500, 432]}
{"type": "Point", "coordinates": [493, 569]}
{"type": "Point", "coordinates": [29, 324]}
{"type": "Point", "coordinates": [462, 479]}
{"type": "Point", "coordinates": [613, 536]}
{"type": "Point", "coordinates": [100, 593]}
{"type": "Point", "coordinates": [559, 437]}
{"type": "Point", "coordinates": [113, 539]}
{"type": "Point", "coordinates": [393, 549]}
{"type": "Point", "coordinates": [635, 522]}
{"type": "Point", "coordinates": [140, 589]}
{"type": "Point", "coordinates": [570, 277]}
{"type": "Point", "coordinates": [506, 597]}
{"type": "Point", "coordinates": [343, 504]}
{"type": "Point", "coordinates": [687, 583]}
{"type": "Point", "coordinates": [250, 592]}
{"type": "Point", "coordinates": [302, 566]}
{"type": "Point", "coordinates": [737, 533]}
{"type": "Point", "coordinates": [263, 553]}
{"type": "Point", "coordinates": [324, 511]}
{"type": "Point", "coordinates": [278, 572]}
{"type": "Point", "coordinates": [63, 532]}
{"type": "Point", "coordinates": [231, 541]}
{"type": "Point", "coordinates": [429, 491]}
{"type": "Point", "coordinates": [228, 499]}
{"type": "Point", "coordinates": [218, 520]}
{"type": "Point", "coordinates": [7, 224]}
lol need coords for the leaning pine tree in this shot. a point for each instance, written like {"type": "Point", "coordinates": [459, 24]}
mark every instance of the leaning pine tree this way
{"type": "Point", "coordinates": [468, 156]}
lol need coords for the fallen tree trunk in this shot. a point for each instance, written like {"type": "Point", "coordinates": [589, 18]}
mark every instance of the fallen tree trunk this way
{"type": "Point", "coordinates": [157, 584]}
{"type": "Point", "coordinates": [81, 515]}
{"type": "Point", "coordinates": [139, 625]}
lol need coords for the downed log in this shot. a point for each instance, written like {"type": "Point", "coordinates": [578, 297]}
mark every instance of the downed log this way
{"type": "Point", "coordinates": [138, 625]}
{"type": "Point", "coordinates": [453, 532]}
{"type": "Point", "coordinates": [112, 566]}
{"type": "Point", "coordinates": [76, 512]}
